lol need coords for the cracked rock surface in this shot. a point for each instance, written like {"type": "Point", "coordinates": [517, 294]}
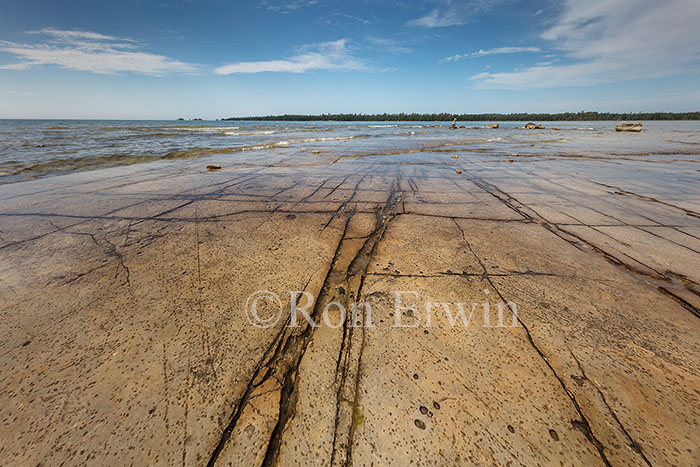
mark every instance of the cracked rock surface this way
{"type": "Point", "coordinates": [124, 338]}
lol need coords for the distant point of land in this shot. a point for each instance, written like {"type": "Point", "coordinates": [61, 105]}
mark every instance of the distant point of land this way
{"type": "Point", "coordinates": [514, 117]}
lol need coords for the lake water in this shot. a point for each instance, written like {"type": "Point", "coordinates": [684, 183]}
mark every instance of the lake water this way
{"type": "Point", "coordinates": [39, 148]}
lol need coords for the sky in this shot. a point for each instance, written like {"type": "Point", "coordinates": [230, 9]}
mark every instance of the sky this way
{"type": "Point", "coordinates": [210, 59]}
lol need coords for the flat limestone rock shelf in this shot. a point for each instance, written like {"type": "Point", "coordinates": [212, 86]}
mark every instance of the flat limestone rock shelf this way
{"type": "Point", "coordinates": [124, 337]}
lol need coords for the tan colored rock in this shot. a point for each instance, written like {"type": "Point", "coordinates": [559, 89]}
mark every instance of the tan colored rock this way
{"type": "Point", "coordinates": [633, 127]}
{"type": "Point", "coordinates": [125, 340]}
{"type": "Point", "coordinates": [532, 126]}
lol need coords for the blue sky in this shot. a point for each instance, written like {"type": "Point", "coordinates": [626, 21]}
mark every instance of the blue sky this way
{"type": "Point", "coordinates": [215, 58]}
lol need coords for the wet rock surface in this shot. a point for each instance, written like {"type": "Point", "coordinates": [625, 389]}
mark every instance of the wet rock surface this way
{"type": "Point", "coordinates": [125, 338]}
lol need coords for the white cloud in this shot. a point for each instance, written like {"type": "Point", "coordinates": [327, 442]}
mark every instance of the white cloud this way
{"type": "Point", "coordinates": [608, 41]}
{"type": "Point", "coordinates": [89, 51]}
{"type": "Point", "coordinates": [483, 53]}
{"type": "Point", "coordinates": [454, 13]}
{"type": "Point", "coordinates": [324, 56]}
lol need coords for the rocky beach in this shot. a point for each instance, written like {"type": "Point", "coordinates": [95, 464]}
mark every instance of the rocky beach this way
{"type": "Point", "coordinates": [127, 336]}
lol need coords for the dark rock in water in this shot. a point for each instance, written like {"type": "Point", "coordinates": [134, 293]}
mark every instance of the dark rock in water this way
{"type": "Point", "coordinates": [532, 126]}
{"type": "Point", "coordinates": [636, 127]}
{"type": "Point", "coordinates": [181, 118]}
{"type": "Point", "coordinates": [213, 167]}
{"type": "Point", "coordinates": [491, 125]}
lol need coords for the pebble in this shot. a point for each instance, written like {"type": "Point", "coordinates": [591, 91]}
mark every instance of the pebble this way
{"type": "Point", "coordinates": [459, 171]}
{"type": "Point", "coordinates": [419, 424]}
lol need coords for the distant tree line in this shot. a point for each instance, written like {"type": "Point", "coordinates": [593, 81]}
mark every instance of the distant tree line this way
{"type": "Point", "coordinates": [415, 117]}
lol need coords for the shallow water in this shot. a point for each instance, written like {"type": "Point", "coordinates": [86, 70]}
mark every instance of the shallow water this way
{"type": "Point", "coordinates": [38, 148]}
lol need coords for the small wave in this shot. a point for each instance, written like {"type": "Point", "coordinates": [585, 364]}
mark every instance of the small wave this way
{"type": "Point", "coordinates": [197, 129]}
{"type": "Point", "coordinates": [198, 152]}
{"type": "Point", "coordinates": [331, 138]}
{"type": "Point", "coordinates": [249, 133]}
{"type": "Point", "coordinates": [382, 126]}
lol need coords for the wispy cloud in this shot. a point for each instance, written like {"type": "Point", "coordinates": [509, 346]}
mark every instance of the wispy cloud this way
{"type": "Point", "coordinates": [334, 19]}
{"type": "Point", "coordinates": [496, 51]}
{"type": "Point", "coordinates": [608, 41]}
{"type": "Point", "coordinates": [72, 35]}
{"type": "Point", "coordinates": [89, 51]}
{"type": "Point", "coordinates": [389, 45]}
{"type": "Point", "coordinates": [454, 13]}
{"type": "Point", "coordinates": [285, 6]}
{"type": "Point", "coordinates": [334, 55]}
